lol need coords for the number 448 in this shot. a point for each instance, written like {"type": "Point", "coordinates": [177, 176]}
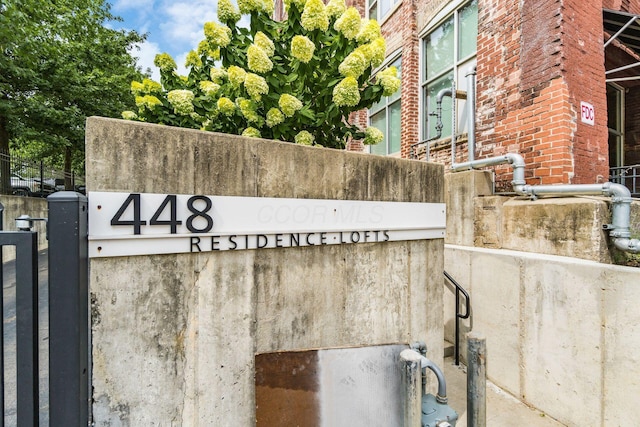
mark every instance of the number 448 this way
{"type": "Point", "coordinates": [169, 203]}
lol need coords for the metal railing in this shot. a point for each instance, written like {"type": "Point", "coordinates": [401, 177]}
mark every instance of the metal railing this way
{"type": "Point", "coordinates": [467, 312]}
{"type": "Point", "coordinates": [30, 178]}
{"type": "Point", "coordinates": [629, 176]}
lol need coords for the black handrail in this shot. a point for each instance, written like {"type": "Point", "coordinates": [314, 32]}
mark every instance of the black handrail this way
{"type": "Point", "coordinates": [459, 315]}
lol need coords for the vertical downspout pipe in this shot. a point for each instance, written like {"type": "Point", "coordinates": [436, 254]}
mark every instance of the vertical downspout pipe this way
{"type": "Point", "coordinates": [471, 108]}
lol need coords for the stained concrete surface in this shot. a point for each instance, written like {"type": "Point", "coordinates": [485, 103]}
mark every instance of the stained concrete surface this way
{"type": "Point", "coordinates": [503, 410]}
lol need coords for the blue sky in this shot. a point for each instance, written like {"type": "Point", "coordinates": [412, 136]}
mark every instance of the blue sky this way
{"type": "Point", "coordinates": [173, 26]}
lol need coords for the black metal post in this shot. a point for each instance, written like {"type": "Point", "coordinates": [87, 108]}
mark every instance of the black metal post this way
{"type": "Point", "coordinates": [1, 323]}
{"type": "Point", "coordinates": [69, 366]}
{"type": "Point", "coordinates": [27, 389]}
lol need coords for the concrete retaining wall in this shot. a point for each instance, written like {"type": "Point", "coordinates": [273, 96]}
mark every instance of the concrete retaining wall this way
{"type": "Point", "coordinates": [14, 207]}
{"type": "Point", "coordinates": [562, 333]}
{"type": "Point", "coordinates": [174, 336]}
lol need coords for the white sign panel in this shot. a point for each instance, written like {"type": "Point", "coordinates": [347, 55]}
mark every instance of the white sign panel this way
{"type": "Point", "coordinates": [124, 224]}
{"type": "Point", "coordinates": [587, 113]}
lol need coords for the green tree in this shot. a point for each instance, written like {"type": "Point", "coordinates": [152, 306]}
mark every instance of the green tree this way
{"type": "Point", "coordinates": [296, 80]}
{"type": "Point", "coordinates": [58, 65]}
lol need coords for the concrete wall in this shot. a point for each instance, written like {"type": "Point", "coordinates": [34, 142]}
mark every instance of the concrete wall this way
{"type": "Point", "coordinates": [174, 336]}
{"type": "Point", "coordinates": [560, 320]}
{"type": "Point", "coordinates": [562, 333]}
{"type": "Point", "coordinates": [14, 207]}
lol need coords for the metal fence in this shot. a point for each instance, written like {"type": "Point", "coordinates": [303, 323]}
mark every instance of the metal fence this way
{"type": "Point", "coordinates": [30, 178]}
{"type": "Point", "coordinates": [629, 176]}
{"type": "Point", "coordinates": [65, 399]}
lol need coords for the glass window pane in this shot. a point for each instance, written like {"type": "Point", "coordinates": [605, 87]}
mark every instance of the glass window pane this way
{"type": "Point", "coordinates": [432, 92]}
{"type": "Point", "coordinates": [379, 121]}
{"type": "Point", "coordinates": [394, 127]}
{"type": "Point", "coordinates": [439, 49]}
{"type": "Point", "coordinates": [468, 30]}
{"type": "Point", "coordinates": [373, 11]}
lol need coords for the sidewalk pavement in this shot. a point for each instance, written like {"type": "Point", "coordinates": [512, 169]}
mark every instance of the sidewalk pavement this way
{"type": "Point", "coordinates": [503, 410]}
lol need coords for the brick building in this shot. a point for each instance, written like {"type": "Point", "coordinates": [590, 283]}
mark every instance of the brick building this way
{"type": "Point", "coordinates": [539, 65]}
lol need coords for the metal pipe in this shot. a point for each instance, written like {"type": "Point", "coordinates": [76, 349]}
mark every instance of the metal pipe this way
{"type": "Point", "coordinates": [619, 229]}
{"type": "Point", "coordinates": [476, 380]}
{"type": "Point", "coordinates": [410, 355]}
{"type": "Point", "coordinates": [471, 108]}
{"type": "Point", "coordinates": [412, 375]}
{"type": "Point", "coordinates": [453, 123]}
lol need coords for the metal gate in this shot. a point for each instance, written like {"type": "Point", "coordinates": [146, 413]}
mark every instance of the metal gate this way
{"type": "Point", "coordinates": [68, 332]}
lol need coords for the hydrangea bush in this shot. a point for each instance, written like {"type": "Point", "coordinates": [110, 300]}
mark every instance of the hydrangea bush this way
{"type": "Point", "coordinates": [296, 80]}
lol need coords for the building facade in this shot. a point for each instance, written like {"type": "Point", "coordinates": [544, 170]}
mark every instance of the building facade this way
{"type": "Point", "coordinates": [555, 81]}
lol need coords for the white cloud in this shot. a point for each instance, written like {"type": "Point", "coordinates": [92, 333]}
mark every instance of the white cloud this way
{"type": "Point", "coordinates": [185, 20]}
{"type": "Point", "coordinates": [146, 54]}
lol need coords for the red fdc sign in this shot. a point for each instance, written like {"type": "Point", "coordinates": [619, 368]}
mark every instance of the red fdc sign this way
{"type": "Point", "coordinates": [587, 113]}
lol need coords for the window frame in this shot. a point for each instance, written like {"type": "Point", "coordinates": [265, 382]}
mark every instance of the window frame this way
{"type": "Point", "coordinates": [394, 4]}
{"type": "Point", "coordinates": [451, 11]}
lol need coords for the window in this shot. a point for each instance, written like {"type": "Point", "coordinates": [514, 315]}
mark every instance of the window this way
{"type": "Point", "coordinates": [449, 52]}
{"type": "Point", "coordinates": [385, 115]}
{"type": "Point", "coordinates": [378, 9]}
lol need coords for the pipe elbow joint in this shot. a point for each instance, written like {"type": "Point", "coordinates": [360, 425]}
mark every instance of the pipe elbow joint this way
{"type": "Point", "coordinates": [627, 245]}
{"type": "Point", "coordinates": [443, 92]}
{"type": "Point", "coordinates": [617, 191]}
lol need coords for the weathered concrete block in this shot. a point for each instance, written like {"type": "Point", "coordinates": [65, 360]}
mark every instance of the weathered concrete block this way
{"type": "Point", "coordinates": [487, 225]}
{"type": "Point", "coordinates": [563, 226]}
{"type": "Point", "coordinates": [174, 336]}
{"type": "Point", "coordinates": [562, 339]}
{"type": "Point", "coordinates": [15, 206]}
{"type": "Point", "coordinates": [460, 191]}
{"type": "Point", "coordinates": [621, 319]}
{"type": "Point", "coordinates": [497, 314]}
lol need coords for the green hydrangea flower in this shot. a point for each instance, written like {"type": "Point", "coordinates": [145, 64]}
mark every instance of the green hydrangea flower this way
{"type": "Point", "coordinates": [264, 42]}
{"type": "Point", "coordinates": [369, 31]}
{"type": "Point", "coordinates": [248, 109]}
{"type": "Point", "coordinates": [314, 16]}
{"type": "Point", "coordinates": [148, 101]}
{"type": "Point", "coordinates": [258, 60]}
{"type": "Point", "coordinates": [226, 106]}
{"type": "Point", "coordinates": [218, 75]}
{"type": "Point", "coordinates": [388, 80]}
{"type": "Point", "coordinates": [151, 86]}
{"type": "Point", "coordinates": [137, 88]}
{"type": "Point", "coordinates": [335, 8]}
{"type": "Point", "coordinates": [274, 117]}
{"type": "Point", "coordinates": [304, 138]}
{"type": "Point", "coordinates": [256, 86]}
{"type": "Point", "coordinates": [373, 136]}
{"type": "Point", "coordinates": [204, 48]}
{"type": "Point", "coordinates": [302, 48]}
{"type": "Point", "coordinates": [236, 75]}
{"type": "Point", "coordinates": [377, 49]}
{"type": "Point", "coordinates": [346, 93]}
{"type": "Point", "coordinates": [354, 64]}
{"type": "Point", "coordinates": [129, 115]}
{"type": "Point", "coordinates": [217, 34]}
{"type": "Point", "coordinates": [182, 101]}
{"type": "Point", "coordinates": [209, 88]}
{"type": "Point", "coordinates": [248, 6]}
{"type": "Point", "coordinates": [227, 12]}
{"type": "Point", "coordinates": [349, 23]}
{"type": "Point", "coordinates": [289, 104]}
{"type": "Point", "coordinates": [251, 132]}
{"type": "Point", "coordinates": [193, 60]}
{"type": "Point", "coordinates": [165, 62]}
